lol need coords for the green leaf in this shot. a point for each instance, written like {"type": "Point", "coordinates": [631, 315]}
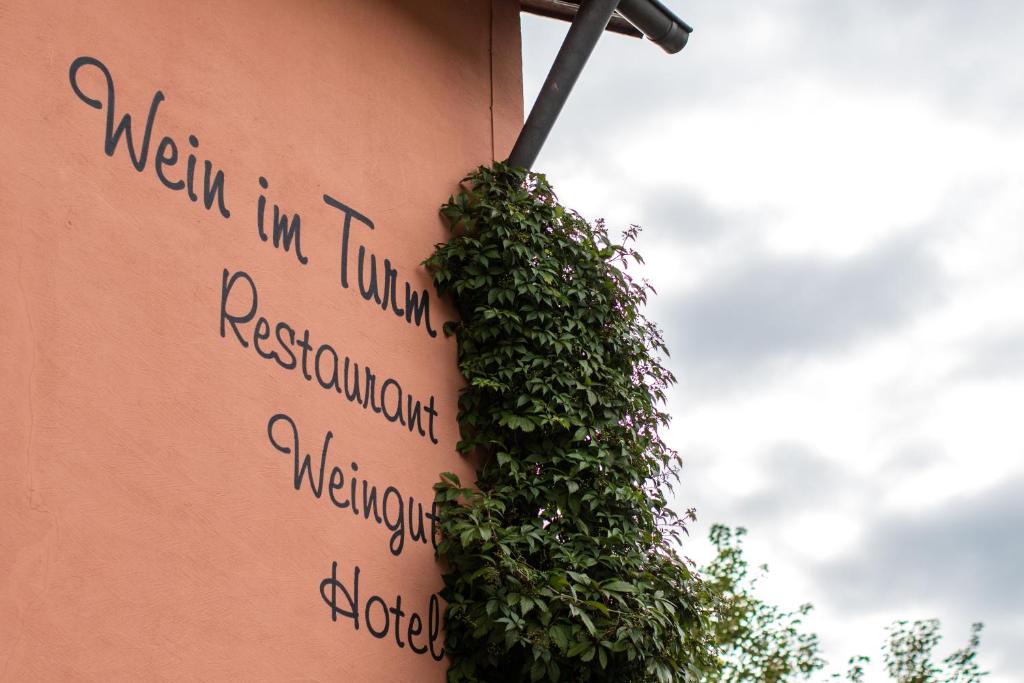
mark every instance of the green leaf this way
{"type": "Point", "coordinates": [619, 586]}
{"type": "Point", "coordinates": [588, 623]}
{"type": "Point", "coordinates": [559, 636]}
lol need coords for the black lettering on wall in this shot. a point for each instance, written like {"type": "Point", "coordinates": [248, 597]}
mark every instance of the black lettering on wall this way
{"type": "Point", "coordinates": [352, 611]}
{"type": "Point", "coordinates": [346, 226]}
{"type": "Point", "coordinates": [370, 502]}
{"type": "Point", "coordinates": [391, 289]}
{"type": "Point", "coordinates": [403, 519]}
{"type": "Point", "coordinates": [416, 628]}
{"type": "Point", "coordinates": [214, 189]}
{"type": "Point", "coordinates": [113, 135]}
{"type": "Point", "coordinates": [358, 384]}
{"type": "Point", "coordinates": [305, 467]}
{"type": "Point", "coordinates": [434, 623]}
{"type": "Point", "coordinates": [416, 309]}
{"type": "Point", "coordinates": [383, 632]}
{"type": "Point", "coordinates": [354, 393]}
{"type": "Point", "coordinates": [190, 175]}
{"type": "Point", "coordinates": [394, 523]}
{"type": "Point", "coordinates": [166, 151]}
{"type": "Point", "coordinates": [379, 617]}
{"type": "Point", "coordinates": [284, 230]}
{"type": "Point", "coordinates": [397, 414]}
{"type": "Point", "coordinates": [332, 376]}
{"type": "Point", "coordinates": [415, 535]}
{"type": "Point", "coordinates": [227, 284]}
{"type": "Point", "coordinates": [379, 282]}
{"type": "Point", "coordinates": [370, 291]}
{"type": "Point", "coordinates": [167, 154]}
{"type": "Point", "coordinates": [431, 414]}
{"type": "Point", "coordinates": [352, 494]}
{"type": "Point", "coordinates": [396, 611]}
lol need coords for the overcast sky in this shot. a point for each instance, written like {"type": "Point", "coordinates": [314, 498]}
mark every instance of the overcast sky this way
{"type": "Point", "coordinates": [831, 196]}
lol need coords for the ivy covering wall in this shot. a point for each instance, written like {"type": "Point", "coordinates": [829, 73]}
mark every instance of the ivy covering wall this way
{"type": "Point", "coordinates": [560, 559]}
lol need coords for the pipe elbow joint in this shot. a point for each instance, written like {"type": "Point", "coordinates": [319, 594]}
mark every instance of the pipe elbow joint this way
{"type": "Point", "coordinates": [657, 22]}
{"type": "Point", "coordinates": [673, 41]}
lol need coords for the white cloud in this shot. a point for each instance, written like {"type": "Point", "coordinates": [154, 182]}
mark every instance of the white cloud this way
{"type": "Point", "coordinates": [870, 422]}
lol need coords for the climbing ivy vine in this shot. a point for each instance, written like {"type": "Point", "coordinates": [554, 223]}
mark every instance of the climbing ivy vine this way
{"type": "Point", "coordinates": [560, 559]}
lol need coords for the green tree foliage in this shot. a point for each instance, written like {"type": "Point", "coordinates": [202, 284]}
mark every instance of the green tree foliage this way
{"type": "Point", "coordinates": [759, 642]}
{"type": "Point", "coordinates": [561, 560]}
{"type": "Point", "coordinates": [756, 641]}
{"type": "Point", "coordinates": [908, 655]}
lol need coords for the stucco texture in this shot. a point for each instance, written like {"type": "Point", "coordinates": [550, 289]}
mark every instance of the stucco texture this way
{"type": "Point", "coordinates": [151, 525]}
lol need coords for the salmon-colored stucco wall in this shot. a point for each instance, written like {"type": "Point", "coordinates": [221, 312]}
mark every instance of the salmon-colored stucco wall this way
{"type": "Point", "coordinates": [150, 525]}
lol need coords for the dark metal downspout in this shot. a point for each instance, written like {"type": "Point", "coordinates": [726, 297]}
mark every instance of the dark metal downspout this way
{"type": "Point", "coordinates": [587, 27]}
{"type": "Point", "coordinates": [651, 17]}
